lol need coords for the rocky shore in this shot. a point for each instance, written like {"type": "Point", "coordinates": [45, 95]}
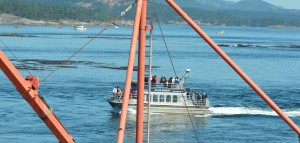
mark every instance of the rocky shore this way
{"type": "Point", "coordinates": [6, 19]}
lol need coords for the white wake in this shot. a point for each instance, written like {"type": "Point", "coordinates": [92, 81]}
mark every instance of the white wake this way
{"type": "Point", "coordinates": [250, 111]}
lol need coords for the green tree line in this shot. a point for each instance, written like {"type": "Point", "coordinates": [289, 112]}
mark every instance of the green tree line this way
{"type": "Point", "coordinates": [233, 17]}
{"type": "Point", "coordinates": [67, 9]}
{"type": "Point", "coordinates": [42, 11]}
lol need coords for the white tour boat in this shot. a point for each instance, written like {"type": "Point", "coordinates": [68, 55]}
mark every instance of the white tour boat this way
{"type": "Point", "coordinates": [164, 98]}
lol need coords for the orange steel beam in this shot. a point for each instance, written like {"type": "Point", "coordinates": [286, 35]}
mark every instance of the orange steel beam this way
{"type": "Point", "coordinates": [135, 32]}
{"type": "Point", "coordinates": [28, 89]}
{"type": "Point", "coordinates": [234, 66]}
{"type": "Point", "coordinates": [141, 75]}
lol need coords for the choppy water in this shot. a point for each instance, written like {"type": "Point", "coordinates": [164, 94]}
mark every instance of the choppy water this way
{"type": "Point", "coordinates": [77, 92]}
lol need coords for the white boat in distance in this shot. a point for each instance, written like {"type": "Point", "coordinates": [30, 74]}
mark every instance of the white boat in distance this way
{"type": "Point", "coordinates": [80, 28]}
{"type": "Point", "coordinates": [165, 98]}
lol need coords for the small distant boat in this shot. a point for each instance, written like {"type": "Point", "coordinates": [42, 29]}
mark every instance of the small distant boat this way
{"type": "Point", "coordinates": [17, 26]}
{"type": "Point", "coordinates": [80, 28]}
{"type": "Point", "coordinates": [116, 26]}
{"type": "Point", "coordinates": [57, 26]}
{"type": "Point", "coordinates": [220, 32]}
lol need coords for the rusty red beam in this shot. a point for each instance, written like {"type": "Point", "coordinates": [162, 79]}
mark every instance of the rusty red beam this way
{"type": "Point", "coordinates": [234, 66]}
{"type": "Point", "coordinates": [141, 75]}
{"type": "Point", "coordinates": [28, 89]}
{"type": "Point", "coordinates": [135, 32]}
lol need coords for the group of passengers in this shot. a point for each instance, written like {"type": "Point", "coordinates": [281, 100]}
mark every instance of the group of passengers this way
{"type": "Point", "coordinates": [201, 98]}
{"type": "Point", "coordinates": [171, 83]}
{"type": "Point", "coordinates": [117, 91]}
{"type": "Point", "coordinates": [197, 98]}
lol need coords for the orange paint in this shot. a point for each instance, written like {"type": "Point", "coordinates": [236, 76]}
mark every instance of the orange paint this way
{"type": "Point", "coordinates": [28, 89]}
{"type": "Point", "coordinates": [234, 66]}
{"type": "Point", "coordinates": [135, 32]}
{"type": "Point", "coordinates": [141, 75]}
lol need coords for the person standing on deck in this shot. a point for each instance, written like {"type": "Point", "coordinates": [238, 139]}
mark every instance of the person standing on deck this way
{"type": "Point", "coordinates": [154, 81]}
{"type": "Point", "coordinates": [173, 81]}
{"type": "Point", "coordinates": [163, 81]}
{"type": "Point", "coordinates": [114, 90]}
{"type": "Point", "coordinates": [198, 98]}
{"type": "Point", "coordinates": [204, 96]}
{"type": "Point", "coordinates": [170, 82]}
{"type": "Point", "coordinates": [193, 97]}
{"type": "Point", "coordinates": [177, 80]}
{"type": "Point", "coordinates": [119, 92]}
{"type": "Point", "coordinates": [146, 79]}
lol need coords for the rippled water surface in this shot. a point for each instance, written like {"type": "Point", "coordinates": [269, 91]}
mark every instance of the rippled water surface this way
{"type": "Point", "coordinates": [77, 92]}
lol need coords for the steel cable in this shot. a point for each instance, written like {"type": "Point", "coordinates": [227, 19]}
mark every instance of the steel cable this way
{"type": "Point", "coordinates": [22, 64]}
{"type": "Point", "coordinates": [170, 58]}
{"type": "Point", "coordinates": [93, 38]}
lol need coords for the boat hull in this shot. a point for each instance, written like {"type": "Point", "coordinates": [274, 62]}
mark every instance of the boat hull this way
{"type": "Point", "coordinates": [160, 108]}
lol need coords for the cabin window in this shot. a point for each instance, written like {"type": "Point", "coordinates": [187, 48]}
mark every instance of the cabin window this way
{"type": "Point", "coordinates": [155, 98]}
{"type": "Point", "coordinates": [168, 98]}
{"type": "Point", "coordinates": [146, 98]}
{"type": "Point", "coordinates": [174, 98]}
{"type": "Point", "coordinates": [161, 98]}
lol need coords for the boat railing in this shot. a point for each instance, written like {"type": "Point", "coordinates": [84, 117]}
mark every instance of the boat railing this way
{"type": "Point", "coordinates": [120, 96]}
{"type": "Point", "coordinates": [166, 85]}
{"type": "Point", "coordinates": [133, 95]}
{"type": "Point", "coordinates": [201, 102]}
{"type": "Point", "coordinates": [114, 96]}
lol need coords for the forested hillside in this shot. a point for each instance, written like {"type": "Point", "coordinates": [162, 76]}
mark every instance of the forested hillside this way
{"type": "Point", "coordinates": [101, 10]}
{"type": "Point", "coordinates": [43, 11]}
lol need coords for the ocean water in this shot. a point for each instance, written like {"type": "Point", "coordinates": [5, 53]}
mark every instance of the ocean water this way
{"type": "Point", "coordinates": [77, 92]}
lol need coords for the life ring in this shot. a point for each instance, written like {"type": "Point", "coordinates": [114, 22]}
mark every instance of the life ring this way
{"type": "Point", "coordinates": [181, 98]}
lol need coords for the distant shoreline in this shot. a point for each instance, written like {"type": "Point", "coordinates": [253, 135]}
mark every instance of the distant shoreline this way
{"type": "Point", "coordinates": [281, 26]}
{"type": "Point", "coordinates": [8, 19]}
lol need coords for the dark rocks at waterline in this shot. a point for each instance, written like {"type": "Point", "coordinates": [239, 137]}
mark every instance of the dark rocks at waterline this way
{"type": "Point", "coordinates": [16, 35]}
{"type": "Point", "coordinates": [243, 45]}
{"type": "Point", "coordinates": [224, 45]}
{"type": "Point", "coordinates": [239, 45]}
{"type": "Point", "coordinates": [135, 68]}
{"type": "Point", "coordinates": [258, 46]}
{"type": "Point", "coordinates": [40, 64]}
{"type": "Point", "coordinates": [55, 62]}
{"type": "Point", "coordinates": [26, 67]}
{"type": "Point", "coordinates": [44, 64]}
{"type": "Point", "coordinates": [288, 46]}
{"type": "Point", "coordinates": [295, 46]}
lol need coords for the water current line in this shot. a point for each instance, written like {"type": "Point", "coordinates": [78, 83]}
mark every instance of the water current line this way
{"type": "Point", "coordinates": [1, 90]}
{"type": "Point", "coordinates": [165, 43]}
{"type": "Point", "coordinates": [92, 39]}
{"type": "Point", "coordinates": [2, 79]}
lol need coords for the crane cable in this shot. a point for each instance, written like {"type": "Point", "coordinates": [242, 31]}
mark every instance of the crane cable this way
{"type": "Point", "coordinates": [22, 64]}
{"type": "Point", "coordinates": [93, 38]}
{"type": "Point", "coordinates": [165, 43]}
